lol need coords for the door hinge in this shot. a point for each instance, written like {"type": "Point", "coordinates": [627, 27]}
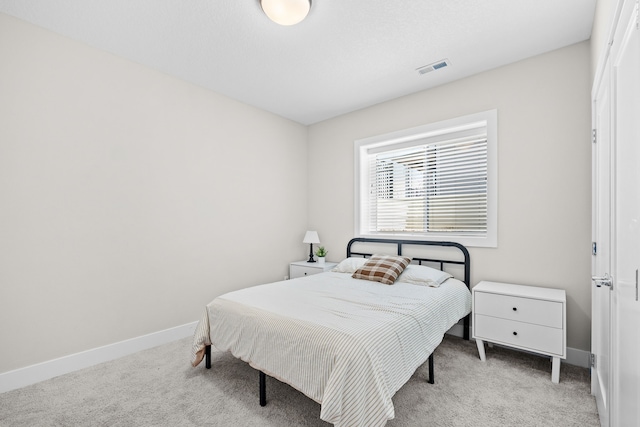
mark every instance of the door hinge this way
{"type": "Point", "coordinates": [593, 360]}
{"type": "Point", "coordinates": [594, 135]}
{"type": "Point", "coordinates": [594, 248]}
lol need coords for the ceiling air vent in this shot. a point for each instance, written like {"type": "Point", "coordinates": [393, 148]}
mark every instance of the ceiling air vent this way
{"type": "Point", "coordinates": [432, 67]}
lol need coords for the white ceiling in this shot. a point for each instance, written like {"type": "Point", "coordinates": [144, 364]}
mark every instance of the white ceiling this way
{"type": "Point", "coordinates": [347, 54]}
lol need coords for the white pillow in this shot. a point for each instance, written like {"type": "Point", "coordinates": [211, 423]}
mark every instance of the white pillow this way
{"type": "Point", "coordinates": [423, 276]}
{"type": "Point", "coordinates": [349, 265]}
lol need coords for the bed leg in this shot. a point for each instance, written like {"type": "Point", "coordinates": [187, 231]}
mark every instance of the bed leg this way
{"type": "Point", "coordinates": [207, 356]}
{"type": "Point", "coordinates": [465, 332]}
{"type": "Point", "coordinates": [263, 391]}
{"type": "Point", "coordinates": [431, 380]}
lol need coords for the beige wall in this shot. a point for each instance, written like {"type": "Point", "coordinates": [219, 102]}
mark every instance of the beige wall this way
{"type": "Point", "coordinates": [128, 198]}
{"type": "Point", "coordinates": [544, 172]}
{"type": "Point", "coordinates": [119, 188]}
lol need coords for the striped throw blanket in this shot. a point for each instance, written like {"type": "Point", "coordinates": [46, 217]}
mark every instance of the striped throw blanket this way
{"type": "Point", "coordinates": [348, 344]}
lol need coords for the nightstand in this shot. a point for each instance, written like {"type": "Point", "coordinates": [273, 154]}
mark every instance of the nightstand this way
{"type": "Point", "coordinates": [523, 317]}
{"type": "Point", "coordinates": [304, 268]}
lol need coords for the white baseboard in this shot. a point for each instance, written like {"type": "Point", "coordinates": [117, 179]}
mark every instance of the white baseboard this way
{"type": "Point", "coordinates": [43, 371]}
{"type": "Point", "coordinates": [575, 357]}
{"type": "Point", "coordinates": [578, 357]}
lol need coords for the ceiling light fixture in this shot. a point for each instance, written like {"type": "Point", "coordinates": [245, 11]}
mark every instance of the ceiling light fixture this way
{"type": "Point", "coordinates": [286, 12]}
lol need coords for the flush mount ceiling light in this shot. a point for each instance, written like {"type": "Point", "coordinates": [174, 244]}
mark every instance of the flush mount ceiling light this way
{"type": "Point", "coordinates": [286, 12]}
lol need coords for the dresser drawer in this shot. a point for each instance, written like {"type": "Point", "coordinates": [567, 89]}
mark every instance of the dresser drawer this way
{"type": "Point", "coordinates": [296, 271]}
{"type": "Point", "coordinates": [535, 311]}
{"type": "Point", "coordinates": [303, 268]}
{"type": "Point", "coordinates": [536, 338]}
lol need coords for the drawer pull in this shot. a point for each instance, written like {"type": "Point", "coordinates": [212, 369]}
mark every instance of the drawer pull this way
{"type": "Point", "coordinates": [515, 333]}
{"type": "Point", "coordinates": [515, 308]}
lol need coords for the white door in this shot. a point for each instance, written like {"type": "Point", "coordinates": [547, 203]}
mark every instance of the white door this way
{"type": "Point", "coordinates": [601, 261]}
{"type": "Point", "coordinates": [625, 53]}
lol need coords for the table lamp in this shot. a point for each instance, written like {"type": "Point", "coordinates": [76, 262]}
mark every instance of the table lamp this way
{"type": "Point", "coordinates": [311, 237]}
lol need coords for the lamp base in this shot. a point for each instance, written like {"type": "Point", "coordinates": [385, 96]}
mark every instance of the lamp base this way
{"type": "Point", "coordinates": [311, 253]}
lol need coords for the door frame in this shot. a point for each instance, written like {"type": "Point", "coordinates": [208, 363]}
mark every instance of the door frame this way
{"type": "Point", "coordinates": [623, 17]}
{"type": "Point", "coordinates": [602, 167]}
{"type": "Point", "coordinates": [623, 408]}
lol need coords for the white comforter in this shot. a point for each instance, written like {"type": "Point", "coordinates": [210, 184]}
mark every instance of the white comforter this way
{"type": "Point", "coordinates": [348, 344]}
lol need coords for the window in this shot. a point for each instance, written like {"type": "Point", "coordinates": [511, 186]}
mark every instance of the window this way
{"type": "Point", "coordinates": [433, 182]}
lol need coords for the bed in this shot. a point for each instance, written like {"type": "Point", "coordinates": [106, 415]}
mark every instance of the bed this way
{"type": "Point", "coordinates": [347, 343]}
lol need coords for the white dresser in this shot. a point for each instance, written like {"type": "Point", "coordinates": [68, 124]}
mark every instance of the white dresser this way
{"type": "Point", "coordinates": [524, 317]}
{"type": "Point", "coordinates": [304, 268]}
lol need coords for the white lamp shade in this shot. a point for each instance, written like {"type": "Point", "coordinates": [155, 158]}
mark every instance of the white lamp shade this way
{"type": "Point", "coordinates": [311, 237]}
{"type": "Point", "coordinates": [286, 12]}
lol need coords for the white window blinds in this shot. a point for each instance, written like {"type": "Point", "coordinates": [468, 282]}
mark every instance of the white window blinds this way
{"type": "Point", "coordinates": [434, 185]}
{"type": "Point", "coordinates": [437, 181]}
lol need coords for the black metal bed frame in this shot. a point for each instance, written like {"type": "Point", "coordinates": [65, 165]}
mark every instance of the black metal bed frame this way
{"type": "Point", "coordinates": [399, 243]}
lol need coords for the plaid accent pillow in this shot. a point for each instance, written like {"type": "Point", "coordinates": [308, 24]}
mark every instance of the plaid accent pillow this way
{"type": "Point", "coordinates": [382, 268]}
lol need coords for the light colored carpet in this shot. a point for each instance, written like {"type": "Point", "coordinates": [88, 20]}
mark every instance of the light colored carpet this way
{"type": "Point", "coordinates": [158, 387]}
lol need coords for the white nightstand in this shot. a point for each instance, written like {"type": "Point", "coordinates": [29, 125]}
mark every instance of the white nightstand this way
{"type": "Point", "coordinates": [524, 317]}
{"type": "Point", "coordinates": [304, 268]}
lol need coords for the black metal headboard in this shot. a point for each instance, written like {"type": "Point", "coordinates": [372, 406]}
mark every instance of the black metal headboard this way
{"type": "Point", "coordinates": [466, 262]}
